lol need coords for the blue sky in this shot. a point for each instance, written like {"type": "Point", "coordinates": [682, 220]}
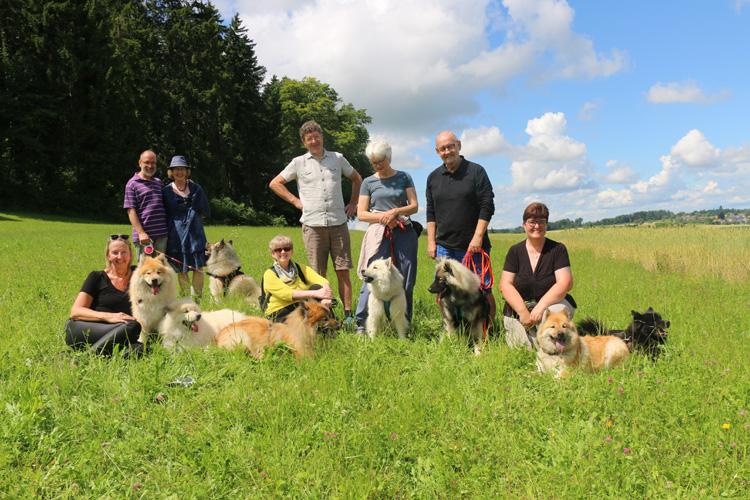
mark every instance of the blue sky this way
{"type": "Point", "coordinates": [596, 108]}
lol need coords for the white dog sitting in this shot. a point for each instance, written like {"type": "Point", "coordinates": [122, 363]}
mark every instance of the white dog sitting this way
{"type": "Point", "coordinates": [387, 302]}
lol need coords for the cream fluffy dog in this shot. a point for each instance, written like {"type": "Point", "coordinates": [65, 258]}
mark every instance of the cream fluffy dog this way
{"type": "Point", "coordinates": [223, 269]}
{"type": "Point", "coordinates": [185, 324]}
{"type": "Point", "coordinates": [386, 304]}
{"type": "Point", "coordinates": [152, 287]}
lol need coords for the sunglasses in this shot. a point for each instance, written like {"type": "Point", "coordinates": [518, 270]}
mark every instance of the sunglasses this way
{"type": "Point", "coordinates": [114, 237]}
{"type": "Point", "coordinates": [185, 200]}
{"type": "Point", "coordinates": [285, 249]}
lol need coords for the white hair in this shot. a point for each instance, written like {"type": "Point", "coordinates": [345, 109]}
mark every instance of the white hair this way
{"type": "Point", "coordinates": [378, 150]}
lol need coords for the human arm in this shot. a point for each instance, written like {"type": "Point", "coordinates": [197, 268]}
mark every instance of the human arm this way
{"type": "Point", "coordinates": [277, 185]}
{"type": "Point", "coordinates": [352, 208]}
{"type": "Point", "coordinates": [143, 238]}
{"type": "Point", "coordinates": [563, 284]}
{"type": "Point", "coordinates": [514, 299]}
{"type": "Point", "coordinates": [82, 311]}
{"type": "Point", "coordinates": [431, 243]}
{"type": "Point", "coordinates": [475, 246]}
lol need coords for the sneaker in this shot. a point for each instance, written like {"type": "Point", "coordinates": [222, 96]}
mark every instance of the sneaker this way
{"type": "Point", "coordinates": [361, 331]}
{"type": "Point", "coordinates": [349, 322]}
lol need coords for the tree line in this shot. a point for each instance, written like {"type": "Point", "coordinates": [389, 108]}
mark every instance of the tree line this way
{"type": "Point", "coordinates": [85, 86]}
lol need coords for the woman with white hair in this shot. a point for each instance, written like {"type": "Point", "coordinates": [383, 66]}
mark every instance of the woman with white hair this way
{"type": "Point", "coordinates": [386, 200]}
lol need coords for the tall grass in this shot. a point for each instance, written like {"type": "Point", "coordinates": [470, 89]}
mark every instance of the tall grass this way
{"type": "Point", "coordinates": [698, 251]}
{"type": "Point", "coordinates": [383, 419]}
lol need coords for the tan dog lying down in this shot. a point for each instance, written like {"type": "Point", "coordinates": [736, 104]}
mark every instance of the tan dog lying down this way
{"type": "Point", "coordinates": [561, 348]}
{"type": "Point", "coordinates": [298, 330]}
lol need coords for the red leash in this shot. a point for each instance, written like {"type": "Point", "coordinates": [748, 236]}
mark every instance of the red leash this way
{"type": "Point", "coordinates": [485, 266]}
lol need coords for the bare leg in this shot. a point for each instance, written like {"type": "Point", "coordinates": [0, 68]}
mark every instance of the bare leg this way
{"type": "Point", "coordinates": [198, 283]}
{"type": "Point", "coordinates": [345, 288]}
{"type": "Point", "coordinates": [184, 279]}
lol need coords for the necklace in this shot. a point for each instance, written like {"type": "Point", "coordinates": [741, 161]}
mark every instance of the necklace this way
{"type": "Point", "coordinates": [178, 187]}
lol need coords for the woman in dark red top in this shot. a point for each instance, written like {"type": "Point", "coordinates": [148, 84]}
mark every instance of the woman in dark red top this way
{"type": "Point", "coordinates": [100, 318]}
{"type": "Point", "coordinates": [536, 277]}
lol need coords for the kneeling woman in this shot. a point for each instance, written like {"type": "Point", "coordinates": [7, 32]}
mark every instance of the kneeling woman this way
{"type": "Point", "coordinates": [536, 277]}
{"type": "Point", "coordinates": [100, 318]}
{"type": "Point", "coordinates": [286, 283]}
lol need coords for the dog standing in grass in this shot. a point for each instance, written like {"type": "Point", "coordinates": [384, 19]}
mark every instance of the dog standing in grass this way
{"type": "Point", "coordinates": [464, 306]}
{"type": "Point", "coordinates": [386, 304]}
{"type": "Point", "coordinates": [561, 348]}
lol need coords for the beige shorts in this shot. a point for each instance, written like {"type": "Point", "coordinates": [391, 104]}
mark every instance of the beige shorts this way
{"type": "Point", "coordinates": [320, 242]}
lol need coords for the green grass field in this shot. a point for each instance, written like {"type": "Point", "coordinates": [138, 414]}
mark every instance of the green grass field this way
{"type": "Point", "coordinates": [384, 419]}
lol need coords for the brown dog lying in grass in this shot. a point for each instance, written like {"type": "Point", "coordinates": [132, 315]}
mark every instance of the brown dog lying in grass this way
{"type": "Point", "coordinates": [298, 330]}
{"type": "Point", "coordinates": [561, 348]}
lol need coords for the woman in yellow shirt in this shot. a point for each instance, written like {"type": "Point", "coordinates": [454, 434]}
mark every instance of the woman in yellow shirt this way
{"type": "Point", "coordinates": [286, 283]}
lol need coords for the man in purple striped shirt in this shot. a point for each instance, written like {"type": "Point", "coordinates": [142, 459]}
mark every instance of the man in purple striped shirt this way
{"type": "Point", "coordinates": [143, 201]}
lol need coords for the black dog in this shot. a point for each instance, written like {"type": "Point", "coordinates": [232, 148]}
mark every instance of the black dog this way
{"type": "Point", "coordinates": [646, 333]}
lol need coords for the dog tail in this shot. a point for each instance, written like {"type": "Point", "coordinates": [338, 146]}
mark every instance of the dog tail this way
{"type": "Point", "coordinates": [592, 326]}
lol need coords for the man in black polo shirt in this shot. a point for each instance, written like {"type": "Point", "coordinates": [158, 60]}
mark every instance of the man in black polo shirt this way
{"type": "Point", "coordinates": [460, 204]}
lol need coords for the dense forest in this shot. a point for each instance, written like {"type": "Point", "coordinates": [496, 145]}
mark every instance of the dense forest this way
{"type": "Point", "coordinates": [85, 86]}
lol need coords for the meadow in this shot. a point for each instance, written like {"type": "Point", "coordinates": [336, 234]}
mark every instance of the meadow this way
{"type": "Point", "coordinates": [383, 419]}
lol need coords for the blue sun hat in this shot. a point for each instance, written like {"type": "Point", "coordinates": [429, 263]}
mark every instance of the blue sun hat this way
{"type": "Point", "coordinates": [178, 161]}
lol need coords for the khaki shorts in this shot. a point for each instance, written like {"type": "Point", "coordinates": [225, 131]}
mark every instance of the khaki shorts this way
{"type": "Point", "coordinates": [323, 241]}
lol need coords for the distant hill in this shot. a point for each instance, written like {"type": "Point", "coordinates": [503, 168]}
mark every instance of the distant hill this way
{"type": "Point", "coordinates": [714, 216]}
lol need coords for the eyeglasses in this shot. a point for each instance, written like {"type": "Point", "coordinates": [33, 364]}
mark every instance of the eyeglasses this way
{"type": "Point", "coordinates": [188, 199]}
{"type": "Point", "coordinates": [284, 249]}
{"type": "Point", "coordinates": [114, 237]}
{"type": "Point", "coordinates": [377, 163]}
{"type": "Point", "coordinates": [449, 147]}
{"type": "Point", "coordinates": [540, 223]}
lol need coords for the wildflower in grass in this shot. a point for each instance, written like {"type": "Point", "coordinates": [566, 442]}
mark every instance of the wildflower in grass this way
{"type": "Point", "coordinates": [507, 389]}
{"type": "Point", "coordinates": [620, 389]}
{"type": "Point", "coordinates": [250, 396]}
{"type": "Point", "coordinates": [393, 436]}
{"type": "Point", "coordinates": [742, 413]}
{"type": "Point", "coordinates": [159, 397]}
{"type": "Point", "coordinates": [116, 400]}
{"type": "Point", "coordinates": [608, 439]}
{"type": "Point", "coordinates": [734, 445]}
{"type": "Point", "coordinates": [726, 426]}
{"type": "Point", "coordinates": [104, 444]}
{"type": "Point", "coordinates": [626, 451]}
{"type": "Point", "coordinates": [136, 486]}
{"type": "Point", "coordinates": [262, 474]}
{"type": "Point", "coordinates": [669, 485]}
{"type": "Point", "coordinates": [476, 408]}
{"type": "Point", "coordinates": [640, 373]}
{"type": "Point", "coordinates": [658, 381]}
{"type": "Point", "coordinates": [609, 380]}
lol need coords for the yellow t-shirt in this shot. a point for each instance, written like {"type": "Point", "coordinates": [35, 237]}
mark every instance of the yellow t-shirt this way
{"type": "Point", "coordinates": [281, 293]}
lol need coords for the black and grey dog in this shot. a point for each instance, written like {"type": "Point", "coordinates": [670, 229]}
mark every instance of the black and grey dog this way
{"type": "Point", "coordinates": [646, 333]}
{"type": "Point", "coordinates": [464, 306]}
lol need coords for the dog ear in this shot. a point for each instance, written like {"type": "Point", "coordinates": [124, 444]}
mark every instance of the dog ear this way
{"type": "Point", "coordinates": [447, 268]}
{"type": "Point", "coordinates": [649, 310]}
{"type": "Point", "coordinates": [141, 258]}
{"type": "Point", "coordinates": [303, 308]}
{"type": "Point", "coordinates": [230, 242]}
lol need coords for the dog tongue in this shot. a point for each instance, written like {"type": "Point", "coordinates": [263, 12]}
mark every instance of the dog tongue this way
{"type": "Point", "coordinates": [194, 326]}
{"type": "Point", "coordinates": [560, 346]}
{"type": "Point", "coordinates": [155, 290]}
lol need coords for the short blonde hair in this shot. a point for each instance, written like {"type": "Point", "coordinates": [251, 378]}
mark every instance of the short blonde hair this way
{"type": "Point", "coordinates": [107, 263]}
{"type": "Point", "coordinates": [280, 241]}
